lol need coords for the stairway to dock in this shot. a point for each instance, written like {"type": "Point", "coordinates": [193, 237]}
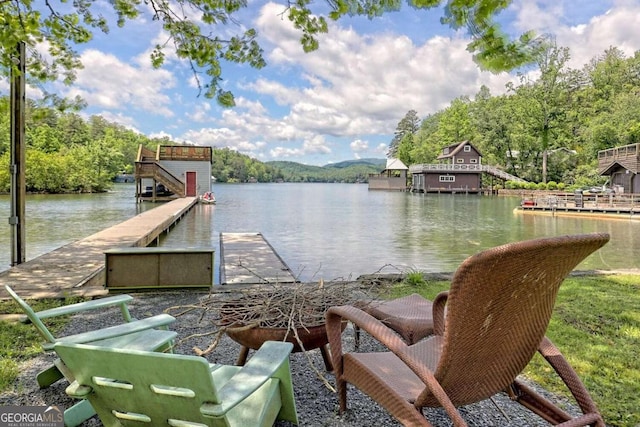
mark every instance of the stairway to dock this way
{"type": "Point", "coordinates": [77, 269]}
{"type": "Point", "coordinates": [247, 258]}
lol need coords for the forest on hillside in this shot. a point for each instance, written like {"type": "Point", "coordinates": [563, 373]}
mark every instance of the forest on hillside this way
{"type": "Point", "coordinates": [544, 129]}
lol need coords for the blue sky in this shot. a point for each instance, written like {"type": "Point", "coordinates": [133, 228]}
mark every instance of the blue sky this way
{"type": "Point", "coordinates": [338, 103]}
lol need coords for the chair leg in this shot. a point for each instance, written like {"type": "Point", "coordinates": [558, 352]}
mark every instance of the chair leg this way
{"type": "Point", "coordinates": [242, 357]}
{"type": "Point", "coordinates": [341, 386]}
{"type": "Point", "coordinates": [78, 413]}
{"type": "Point", "coordinates": [326, 356]}
{"type": "Point", "coordinates": [49, 376]}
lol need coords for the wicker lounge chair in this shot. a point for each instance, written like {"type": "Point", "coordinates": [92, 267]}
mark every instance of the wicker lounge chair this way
{"type": "Point", "coordinates": [498, 309]}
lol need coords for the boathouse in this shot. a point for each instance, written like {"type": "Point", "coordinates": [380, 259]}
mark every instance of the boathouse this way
{"type": "Point", "coordinates": [393, 177]}
{"type": "Point", "coordinates": [459, 169]}
{"type": "Point", "coordinates": [621, 165]}
{"type": "Point", "coordinates": [172, 171]}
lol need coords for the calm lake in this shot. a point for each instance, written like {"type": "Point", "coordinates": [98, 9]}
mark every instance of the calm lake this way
{"type": "Point", "coordinates": [329, 231]}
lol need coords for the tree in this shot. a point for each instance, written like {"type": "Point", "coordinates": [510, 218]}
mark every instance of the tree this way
{"type": "Point", "coordinates": [408, 126]}
{"type": "Point", "coordinates": [547, 98]}
{"type": "Point", "coordinates": [198, 32]}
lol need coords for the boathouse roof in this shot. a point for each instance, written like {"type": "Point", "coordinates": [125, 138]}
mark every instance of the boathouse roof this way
{"type": "Point", "coordinates": [395, 164]}
{"type": "Point", "coordinates": [618, 165]}
{"type": "Point", "coordinates": [453, 149]}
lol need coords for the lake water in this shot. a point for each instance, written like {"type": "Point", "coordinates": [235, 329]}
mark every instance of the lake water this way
{"type": "Point", "coordinates": [329, 231]}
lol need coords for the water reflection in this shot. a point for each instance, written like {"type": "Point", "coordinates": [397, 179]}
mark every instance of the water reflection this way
{"type": "Point", "coordinates": [342, 230]}
{"type": "Point", "coordinates": [55, 220]}
{"type": "Point", "coordinates": [329, 230]}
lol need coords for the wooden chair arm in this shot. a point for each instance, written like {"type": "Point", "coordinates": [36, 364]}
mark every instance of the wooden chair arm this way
{"type": "Point", "coordinates": [159, 321]}
{"type": "Point", "coordinates": [270, 358]}
{"type": "Point", "coordinates": [439, 304]}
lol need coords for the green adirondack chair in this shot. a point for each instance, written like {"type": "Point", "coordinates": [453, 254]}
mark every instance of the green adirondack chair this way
{"type": "Point", "coordinates": [131, 334]}
{"type": "Point", "coordinates": [130, 387]}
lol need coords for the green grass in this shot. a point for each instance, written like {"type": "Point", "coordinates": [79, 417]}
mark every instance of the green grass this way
{"type": "Point", "coordinates": [19, 341]}
{"type": "Point", "coordinates": [596, 325]}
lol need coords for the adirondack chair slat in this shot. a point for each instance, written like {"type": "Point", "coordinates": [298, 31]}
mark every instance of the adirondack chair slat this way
{"type": "Point", "coordinates": [134, 334]}
{"type": "Point", "coordinates": [181, 390]}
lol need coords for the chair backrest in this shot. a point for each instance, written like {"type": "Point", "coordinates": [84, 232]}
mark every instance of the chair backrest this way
{"type": "Point", "coordinates": [498, 309]}
{"type": "Point", "coordinates": [154, 388]}
{"type": "Point", "coordinates": [31, 315]}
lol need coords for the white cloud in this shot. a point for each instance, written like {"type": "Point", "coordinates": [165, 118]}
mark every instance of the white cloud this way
{"type": "Point", "coordinates": [201, 113]}
{"type": "Point", "coordinates": [359, 84]}
{"type": "Point", "coordinates": [589, 38]}
{"type": "Point", "coordinates": [341, 100]}
{"type": "Point", "coordinates": [359, 146]}
{"type": "Point", "coordinates": [107, 82]}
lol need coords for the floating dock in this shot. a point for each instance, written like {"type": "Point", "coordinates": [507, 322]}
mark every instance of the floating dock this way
{"type": "Point", "coordinates": [247, 258]}
{"type": "Point", "coordinates": [77, 269]}
{"type": "Point", "coordinates": [592, 212]}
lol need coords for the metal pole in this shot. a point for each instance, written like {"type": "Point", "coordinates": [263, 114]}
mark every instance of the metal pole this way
{"type": "Point", "coordinates": [17, 166]}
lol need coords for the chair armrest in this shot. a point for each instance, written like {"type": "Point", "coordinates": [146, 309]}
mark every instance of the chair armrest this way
{"type": "Point", "coordinates": [161, 320]}
{"type": "Point", "coordinates": [117, 300]}
{"type": "Point", "coordinates": [565, 371]}
{"type": "Point", "coordinates": [390, 339]}
{"type": "Point", "coordinates": [264, 365]}
{"type": "Point", "coordinates": [337, 315]}
{"type": "Point", "coordinates": [439, 311]}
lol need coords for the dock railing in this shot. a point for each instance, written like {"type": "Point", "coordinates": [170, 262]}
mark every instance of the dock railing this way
{"type": "Point", "coordinates": [630, 201]}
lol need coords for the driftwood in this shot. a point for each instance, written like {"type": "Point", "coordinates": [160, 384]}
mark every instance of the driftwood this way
{"type": "Point", "coordinates": [296, 307]}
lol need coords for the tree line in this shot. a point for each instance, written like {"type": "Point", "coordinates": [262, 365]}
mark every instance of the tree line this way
{"type": "Point", "coordinates": [545, 129]}
{"type": "Point", "coordinates": [66, 153]}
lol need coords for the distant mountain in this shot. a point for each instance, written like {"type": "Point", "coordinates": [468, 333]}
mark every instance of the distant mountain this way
{"type": "Point", "coordinates": [346, 163]}
{"type": "Point", "coordinates": [347, 171]}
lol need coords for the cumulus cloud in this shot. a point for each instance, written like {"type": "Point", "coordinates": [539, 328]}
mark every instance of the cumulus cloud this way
{"type": "Point", "coordinates": [343, 99]}
{"type": "Point", "coordinates": [107, 82]}
{"type": "Point", "coordinates": [359, 146]}
{"type": "Point", "coordinates": [590, 37]}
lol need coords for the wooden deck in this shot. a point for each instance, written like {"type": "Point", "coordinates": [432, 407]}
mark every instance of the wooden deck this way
{"type": "Point", "coordinates": [77, 269]}
{"type": "Point", "coordinates": [604, 212]}
{"type": "Point", "coordinates": [247, 258]}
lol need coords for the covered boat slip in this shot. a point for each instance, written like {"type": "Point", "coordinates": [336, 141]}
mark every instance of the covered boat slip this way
{"type": "Point", "coordinates": [77, 269]}
{"type": "Point", "coordinates": [247, 258]}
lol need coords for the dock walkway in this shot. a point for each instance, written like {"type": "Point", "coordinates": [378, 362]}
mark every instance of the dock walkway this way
{"type": "Point", "coordinates": [77, 269]}
{"type": "Point", "coordinates": [247, 258]}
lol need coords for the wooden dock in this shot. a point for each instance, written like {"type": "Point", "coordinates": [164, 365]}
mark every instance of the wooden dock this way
{"type": "Point", "coordinates": [77, 269]}
{"type": "Point", "coordinates": [247, 258]}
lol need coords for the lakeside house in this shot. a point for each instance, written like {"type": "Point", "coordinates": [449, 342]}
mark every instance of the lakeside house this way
{"type": "Point", "coordinates": [172, 171]}
{"type": "Point", "coordinates": [459, 169]}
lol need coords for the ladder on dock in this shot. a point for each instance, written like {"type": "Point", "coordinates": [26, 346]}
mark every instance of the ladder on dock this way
{"type": "Point", "coordinates": [247, 258]}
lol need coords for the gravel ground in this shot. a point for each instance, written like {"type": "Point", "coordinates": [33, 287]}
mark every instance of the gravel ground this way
{"type": "Point", "coordinates": [317, 405]}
